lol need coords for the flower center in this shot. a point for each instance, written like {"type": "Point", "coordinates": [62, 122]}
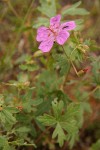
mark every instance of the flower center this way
{"type": "Point", "coordinates": [54, 30]}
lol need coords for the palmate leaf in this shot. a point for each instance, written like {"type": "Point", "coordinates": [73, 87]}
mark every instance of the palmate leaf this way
{"type": "Point", "coordinates": [57, 108]}
{"type": "Point", "coordinates": [27, 101]}
{"type": "Point", "coordinates": [58, 132]}
{"type": "Point", "coordinates": [79, 24]}
{"type": "Point", "coordinates": [70, 126]}
{"type": "Point", "coordinates": [41, 21]}
{"type": "Point", "coordinates": [47, 120]}
{"type": "Point", "coordinates": [23, 129]}
{"type": "Point", "coordinates": [43, 107]}
{"type": "Point", "coordinates": [74, 10]}
{"type": "Point", "coordinates": [7, 117]}
{"type": "Point", "coordinates": [2, 141]}
{"type": "Point", "coordinates": [62, 63]}
{"type": "Point", "coordinates": [4, 144]}
{"type": "Point", "coordinates": [29, 67]}
{"type": "Point", "coordinates": [7, 147]}
{"type": "Point", "coordinates": [72, 111]}
{"type": "Point", "coordinates": [48, 8]}
{"type": "Point", "coordinates": [47, 82]}
{"type": "Point", "coordinates": [60, 95]}
{"type": "Point", "coordinates": [66, 121]}
{"type": "Point", "coordinates": [72, 138]}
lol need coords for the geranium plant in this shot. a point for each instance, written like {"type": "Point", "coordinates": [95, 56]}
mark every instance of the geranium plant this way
{"type": "Point", "coordinates": [45, 100]}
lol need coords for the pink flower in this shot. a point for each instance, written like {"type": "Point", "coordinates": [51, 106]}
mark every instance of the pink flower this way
{"type": "Point", "coordinates": [56, 32]}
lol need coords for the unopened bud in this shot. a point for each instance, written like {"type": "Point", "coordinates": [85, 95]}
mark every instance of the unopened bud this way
{"type": "Point", "coordinates": [83, 71]}
{"type": "Point", "coordinates": [38, 53]}
{"type": "Point", "coordinates": [85, 47]}
{"type": "Point", "coordinates": [27, 83]}
{"type": "Point", "coordinates": [82, 49]}
{"type": "Point", "coordinates": [87, 69]}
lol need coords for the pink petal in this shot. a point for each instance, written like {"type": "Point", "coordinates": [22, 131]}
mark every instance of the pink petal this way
{"type": "Point", "coordinates": [55, 20]}
{"type": "Point", "coordinates": [68, 25]}
{"type": "Point", "coordinates": [46, 46]}
{"type": "Point", "coordinates": [42, 34]}
{"type": "Point", "coordinates": [62, 37]}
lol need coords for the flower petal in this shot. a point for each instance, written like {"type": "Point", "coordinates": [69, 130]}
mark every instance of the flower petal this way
{"type": "Point", "coordinates": [55, 20]}
{"type": "Point", "coordinates": [62, 37]}
{"type": "Point", "coordinates": [68, 25]}
{"type": "Point", "coordinates": [42, 34]}
{"type": "Point", "coordinates": [46, 46]}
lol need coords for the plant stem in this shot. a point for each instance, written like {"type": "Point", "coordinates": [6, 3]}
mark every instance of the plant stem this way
{"type": "Point", "coordinates": [74, 68]}
{"type": "Point", "coordinates": [41, 135]}
{"type": "Point", "coordinates": [21, 27]}
{"type": "Point", "coordinates": [12, 8]}
{"type": "Point", "coordinates": [97, 87]}
{"type": "Point", "coordinates": [65, 52]}
{"type": "Point", "coordinates": [70, 61]}
{"type": "Point", "coordinates": [73, 51]}
{"type": "Point", "coordinates": [24, 144]}
{"type": "Point", "coordinates": [91, 92]}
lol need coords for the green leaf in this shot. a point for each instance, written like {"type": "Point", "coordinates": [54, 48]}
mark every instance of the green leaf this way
{"type": "Point", "coordinates": [72, 111]}
{"type": "Point", "coordinates": [62, 63]}
{"type": "Point", "coordinates": [57, 108]}
{"type": "Point", "coordinates": [12, 109]}
{"type": "Point", "coordinates": [41, 21]}
{"type": "Point", "coordinates": [47, 120]}
{"type": "Point", "coordinates": [70, 126]}
{"type": "Point", "coordinates": [2, 141]}
{"type": "Point", "coordinates": [73, 10]}
{"type": "Point", "coordinates": [47, 83]}
{"type": "Point", "coordinates": [43, 107]}
{"type": "Point", "coordinates": [37, 101]}
{"type": "Point", "coordinates": [79, 24]}
{"type": "Point", "coordinates": [8, 116]}
{"type": "Point", "coordinates": [59, 133]}
{"type": "Point", "coordinates": [23, 67]}
{"type": "Point", "coordinates": [48, 8]}
{"type": "Point", "coordinates": [29, 67]}
{"type": "Point", "coordinates": [27, 101]}
{"type": "Point", "coordinates": [60, 95]}
{"type": "Point", "coordinates": [7, 147]}
{"type": "Point", "coordinates": [72, 138]}
{"type": "Point", "coordinates": [96, 146]}
{"type": "Point", "coordinates": [64, 121]}
{"type": "Point", "coordinates": [23, 129]}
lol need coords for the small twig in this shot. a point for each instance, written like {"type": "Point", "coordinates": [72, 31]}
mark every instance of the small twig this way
{"type": "Point", "coordinates": [25, 144]}
{"type": "Point", "coordinates": [90, 93]}
{"type": "Point", "coordinates": [13, 10]}
{"type": "Point", "coordinates": [41, 135]}
{"type": "Point", "coordinates": [97, 87]}
{"type": "Point", "coordinates": [21, 27]}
